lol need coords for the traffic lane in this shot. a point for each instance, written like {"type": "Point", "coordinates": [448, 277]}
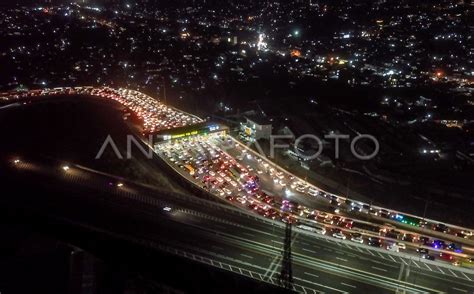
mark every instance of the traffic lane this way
{"type": "Point", "coordinates": [338, 257]}
{"type": "Point", "coordinates": [364, 255]}
{"type": "Point", "coordinates": [260, 242]}
{"type": "Point", "coordinates": [373, 261]}
{"type": "Point", "coordinates": [246, 251]}
{"type": "Point", "coordinates": [307, 276]}
{"type": "Point", "coordinates": [243, 255]}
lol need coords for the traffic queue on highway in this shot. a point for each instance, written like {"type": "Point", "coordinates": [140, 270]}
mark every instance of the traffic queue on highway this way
{"type": "Point", "coordinates": [154, 115]}
{"type": "Point", "coordinates": [244, 178]}
{"type": "Point", "coordinates": [270, 193]}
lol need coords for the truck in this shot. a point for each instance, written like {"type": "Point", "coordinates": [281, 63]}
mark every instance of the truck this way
{"type": "Point", "coordinates": [313, 228]}
{"type": "Point", "coordinates": [190, 169]}
{"type": "Point", "coordinates": [365, 228]}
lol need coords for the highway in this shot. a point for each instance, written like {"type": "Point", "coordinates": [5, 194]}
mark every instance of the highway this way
{"type": "Point", "coordinates": [225, 236]}
{"type": "Point", "coordinates": [202, 161]}
{"type": "Point", "coordinates": [239, 239]}
{"type": "Point", "coordinates": [156, 116]}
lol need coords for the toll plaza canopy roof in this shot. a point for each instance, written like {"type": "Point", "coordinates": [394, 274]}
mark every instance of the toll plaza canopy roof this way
{"type": "Point", "coordinates": [191, 130]}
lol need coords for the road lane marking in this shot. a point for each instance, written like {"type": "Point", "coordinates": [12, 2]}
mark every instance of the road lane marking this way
{"type": "Point", "coordinates": [427, 266]}
{"type": "Point", "coordinates": [341, 259]}
{"type": "Point", "coordinates": [417, 265]}
{"type": "Point", "coordinates": [348, 285]}
{"type": "Point", "coordinates": [320, 285]}
{"type": "Point", "coordinates": [248, 256]}
{"type": "Point", "coordinates": [248, 234]}
{"type": "Point", "coordinates": [370, 252]}
{"type": "Point", "coordinates": [378, 268]}
{"type": "Point", "coordinates": [403, 260]}
{"type": "Point", "coordinates": [310, 274]}
{"type": "Point", "coordinates": [440, 269]}
{"type": "Point", "coordinates": [453, 272]}
{"type": "Point", "coordinates": [359, 249]}
{"type": "Point", "coordinates": [460, 290]}
{"type": "Point", "coordinates": [392, 258]}
{"type": "Point", "coordinates": [466, 276]}
{"type": "Point", "coordinates": [309, 250]}
{"type": "Point", "coordinates": [381, 255]}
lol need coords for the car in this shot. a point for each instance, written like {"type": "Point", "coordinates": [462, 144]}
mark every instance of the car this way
{"type": "Point", "coordinates": [366, 207]}
{"type": "Point", "coordinates": [422, 250]}
{"type": "Point", "coordinates": [347, 223]}
{"type": "Point", "coordinates": [356, 237]}
{"type": "Point", "coordinates": [300, 189]}
{"type": "Point", "coordinates": [287, 218]}
{"type": "Point", "coordinates": [312, 192]}
{"type": "Point", "coordinates": [439, 244]}
{"type": "Point", "coordinates": [466, 233]}
{"type": "Point", "coordinates": [441, 228]}
{"type": "Point", "coordinates": [328, 221]}
{"type": "Point", "coordinates": [373, 211]}
{"type": "Point", "coordinates": [271, 213]}
{"type": "Point", "coordinates": [337, 219]}
{"type": "Point", "coordinates": [428, 256]}
{"type": "Point", "coordinates": [424, 240]}
{"type": "Point", "coordinates": [230, 198]}
{"type": "Point", "coordinates": [253, 206]}
{"type": "Point", "coordinates": [334, 202]}
{"type": "Point", "coordinates": [356, 208]}
{"type": "Point", "coordinates": [402, 246]}
{"type": "Point", "coordinates": [322, 214]}
{"type": "Point", "coordinates": [393, 247]}
{"type": "Point", "coordinates": [392, 234]}
{"type": "Point", "coordinates": [461, 235]}
{"type": "Point", "coordinates": [375, 242]}
{"type": "Point", "coordinates": [445, 256]}
{"type": "Point", "coordinates": [408, 238]}
{"type": "Point", "coordinates": [384, 213]}
{"type": "Point", "coordinates": [338, 234]}
{"type": "Point", "coordinates": [454, 247]}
